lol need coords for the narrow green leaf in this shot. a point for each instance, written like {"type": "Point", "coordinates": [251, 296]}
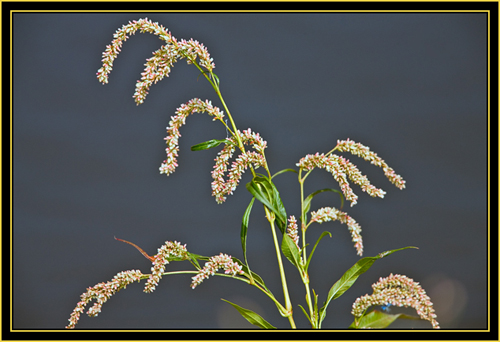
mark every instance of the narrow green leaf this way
{"type": "Point", "coordinates": [265, 191]}
{"type": "Point", "coordinates": [260, 191]}
{"type": "Point", "coordinates": [244, 229]}
{"type": "Point", "coordinates": [316, 323]}
{"type": "Point", "coordinates": [379, 320]}
{"type": "Point", "coordinates": [325, 233]}
{"type": "Point", "coordinates": [350, 277]}
{"type": "Point", "coordinates": [252, 317]}
{"type": "Point", "coordinates": [216, 78]}
{"type": "Point", "coordinates": [254, 275]}
{"type": "Point", "coordinates": [305, 313]}
{"type": "Point", "coordinates": [208, 144]}
{"type": "Point", "coordinates": [374, 320]}
{"type": "Point", "coordinates": [283, 171]}
{"type": "Point", "coordinates": [307, 201]}
{"type": "Point", "coordinates": [291, 251]}
{"type": "Point", "coordinates": [192, 259]}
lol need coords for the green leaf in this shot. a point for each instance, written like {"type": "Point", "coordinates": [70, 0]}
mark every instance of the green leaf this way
{"type": "Point", "coordinates": [254, 275]}
{"type": "Point", "coordinates": [314, 248]}
{"type": "Point", "coordinates": [216, 78]}
{"type": "Point", "coordinates": [374, 320]}
{"type": "Point", "coordinates": [305, 313]}
{"type": "Point", "coordinates": [291, 251]}
{"type": "Point", "coordinates": [265, 191]}
{"type": "Point", "coordinates": [252, 317]}
{"type": "Point", "coordinates": [208, 144]}
{"type": "Point", "coordinates": [378, 320]}
{"type": "Point", "coordinates": [350, 277]}
{"type": "Point", "coordinates": [193, 260]}
{"type": "Point", "coordinates": [244, 229]}
{"type": "Point", "coordinates": [283, 171]}
{"type": "Point", "coordinates": [307, 201]}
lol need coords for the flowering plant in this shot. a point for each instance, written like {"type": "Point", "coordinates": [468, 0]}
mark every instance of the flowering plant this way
{"type": "Point", "coordinates": [395, 290]}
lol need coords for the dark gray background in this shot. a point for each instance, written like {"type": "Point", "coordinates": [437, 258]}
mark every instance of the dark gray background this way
{"type": "Point", "coordinates": [410, 86]}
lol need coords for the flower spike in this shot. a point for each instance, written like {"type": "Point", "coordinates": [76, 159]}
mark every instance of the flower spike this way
{"type": "Point", "coordinates": [215, 263]}
{"type": "Point", "coordinates": [101, 293]}
{"type": "Point", "coordinates": [293, 230]}
{"type": "Point", "coordinates": [397, 290]}
{"type": "Point", "coordinates": [165, 253]}
{"type": "Point", "coordinates": [221, 187]}
{"type": "Point", "coordinates": [341, 169]}
{"type": "Point", "coordinates": [172, 140]}
{"type": "Point", "coordinates": [331, 214]}
{"type": "Point", "coordinates": [364, 152]}
{"type": "Point", "coordinates": [159, 65]}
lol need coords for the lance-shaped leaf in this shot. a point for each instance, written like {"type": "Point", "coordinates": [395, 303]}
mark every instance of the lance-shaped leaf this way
{"type": "Point", "coordinates": [244, 229]}
{"type": "Point", "coordinates": [208, 144]}
{"type": "Point", "coordinates": [314, 248]}
{"type": "Point", "coordinates": [307, 201]}
{"type": "Point", "coordinates": [350, 277]}
{"type": "Point", "coordinates": [265, 191]}
{"type": "Point", "coordinates": [254, 275]}
{"type": "Point", "coordinates": [252, 317]}
{"type": "Point", "coordinates": [378, 320]}
{"type": "Point", "coordinates": [291, 251]}
{"type": "Point", "coordinates": [283, 171]}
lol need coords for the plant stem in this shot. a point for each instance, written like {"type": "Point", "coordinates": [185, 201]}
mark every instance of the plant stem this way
{"type": "Point", "coordinates": [305, 277]}
{"type": "Point", "coordinates": [288, 303]}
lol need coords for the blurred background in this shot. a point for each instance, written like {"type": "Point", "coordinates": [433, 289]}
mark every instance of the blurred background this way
{"type": "Point", "coordinates": [412, 87]}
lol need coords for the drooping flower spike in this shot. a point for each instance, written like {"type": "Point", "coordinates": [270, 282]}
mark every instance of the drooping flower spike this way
{"type": "Point", "coordinates": [332, 214]}
{"type": "Point", "coordinates": [165, 253]}
{"type": "Point", "coordinates": [215, 263]}
{"type": "Point", "coordinates": [101, 293]}
{"type": "Point", "coordinates": [364, 152]}
{"type": "Point", "coordinates": [221, 187]}
{"type": "Point", "coordinates": [342, 169]}
{"type": "Point", "coordinates": [397, 290]}
{"type": "Point", "coordinates": [159, 65]}
{"type": "Point", "coordinates": [172, 140]}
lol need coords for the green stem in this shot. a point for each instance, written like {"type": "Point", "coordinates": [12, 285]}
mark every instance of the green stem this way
{"type": "Point", "coordinates": [305, 277]}
{"type": "Point", "coordinates": [288, 303]}
{"type": "Point", "coordinates": [215, 85]}
{"type": "Point", "coordinates": [269, 294]}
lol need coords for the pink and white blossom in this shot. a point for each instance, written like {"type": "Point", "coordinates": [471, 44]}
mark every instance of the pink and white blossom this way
{"type": "Point", "coordinates": [101, 293]}
{"type": "Point", "coordinates": [215, 263]}
{"type": "Point", "coordinates": [159, 65]}
{"type": "Point", "coordinates": [172, 140]}
{"type": "Point", "coordinates": [332, 214]}
{"type": "Point", "coordinates": [398, 290]}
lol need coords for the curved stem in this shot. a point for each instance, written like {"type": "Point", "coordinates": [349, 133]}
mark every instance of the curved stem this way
{"type": "Point", "coordinates": [269, 294]}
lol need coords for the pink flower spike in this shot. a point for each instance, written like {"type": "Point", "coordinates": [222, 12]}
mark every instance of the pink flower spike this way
{"type": "Point", "coordinates": [332, 214]}
{"type": "Point", "coordinates": [398, 290]}
{"type": "Point", "coordinates": [101, 293]}
{"type": "Point", "coordinates": [161, 259]}
{"type": "Point", "coordinates": [364, 152]}
{"type": "Point", "coordinates": [172, 140]}
{"type": "Point", "coordinates": [215, 263]}
{"type": "Point", "coordinates": [222, 187]}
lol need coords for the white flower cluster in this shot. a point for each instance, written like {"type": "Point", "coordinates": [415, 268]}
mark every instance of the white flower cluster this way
{"type": "Point", "coordinates": [159, 65]}
{"type": "Point", "coordinates": [172, 140]}
{"type": "Point", "coordinates": [398, 290]}
{"type": "Point", "coordinates": [332, 214]}
{"type": "Point", "coordinates": [221, 187]}
{"type": "Point", "coordinates": [215, 263]}
{"type": "Point", "coordinates": [101, 293]}
{"type": "Point", "coordinates": [165, 252]}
